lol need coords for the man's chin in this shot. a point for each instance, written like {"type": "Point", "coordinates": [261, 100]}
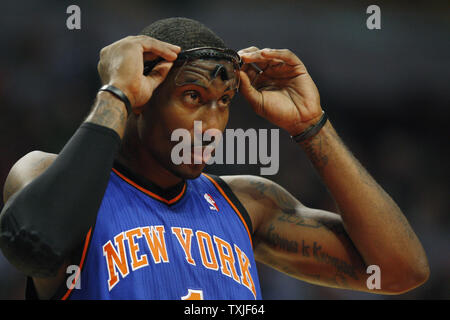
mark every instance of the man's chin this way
{"type": "Point", "coordinates": [189, 171]}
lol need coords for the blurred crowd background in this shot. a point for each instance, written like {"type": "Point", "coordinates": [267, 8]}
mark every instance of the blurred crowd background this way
{"type": "Point", "coordinates": [387, 92]}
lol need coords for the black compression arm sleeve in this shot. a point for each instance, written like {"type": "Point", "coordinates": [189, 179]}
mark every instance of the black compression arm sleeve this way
{"type": "Point", "coordinates": [41, 224]}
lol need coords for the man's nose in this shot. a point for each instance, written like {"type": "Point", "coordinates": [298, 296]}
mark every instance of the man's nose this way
{"type": "Point", "coordinates": [210, 123]}
{"type": "Point", "coordinates": [213, 117]}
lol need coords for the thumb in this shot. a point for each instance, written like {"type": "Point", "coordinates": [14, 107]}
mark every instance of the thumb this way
{"type": "Point", "coordinates": [158, 74]}
{"type": "Point", "coordinates": [253, 96]}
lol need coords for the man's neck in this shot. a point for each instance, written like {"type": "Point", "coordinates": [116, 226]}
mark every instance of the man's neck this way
{"type": "Point", "coordinates": [144, 164]}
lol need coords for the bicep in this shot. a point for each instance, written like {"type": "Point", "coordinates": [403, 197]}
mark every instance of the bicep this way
{"type": "Point", "coordinates": [311, 245]}
{"type": "Point", "coordinates": [308, 244]}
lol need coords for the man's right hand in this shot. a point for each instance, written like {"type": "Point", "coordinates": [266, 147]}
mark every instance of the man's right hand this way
{"type": "Point", "coordinates": [122, 64]}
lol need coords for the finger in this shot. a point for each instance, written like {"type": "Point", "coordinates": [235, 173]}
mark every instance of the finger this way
{"type": "Point", "coordinates": [148, 56]}
{"type": "Point", "coordinates": [252, 95]}
{"type": "Point", "coordinates": [284, 55]}
{"type": "Point", "coordinates": [253, 60]}
{"type": "Point", "coordinates": [163, 49]}
{"type": "Point", "coordinates": [149, 41]}
{"type": "Point", "coordinates": [284, 71]}
{"type": "Point", "coordinates": [249, 49]}
{"type": "Point", "coordinates": [276, 62]}
{"type": "Point", "coordinates": [246, 66]}
{"type": "Point", "coordinates": [254, 56]}
{"type": "Point", "coordinates": [256, 67]}
{"type": "Point", "coordinates": [251, 73]}
{"type": "Point", "coordinates": [158, 74]}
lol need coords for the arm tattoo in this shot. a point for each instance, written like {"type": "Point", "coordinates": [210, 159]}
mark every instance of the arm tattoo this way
{"type": "Point", "coordinates": [288, 207]}
{"type": "Point", "coordinates": [334, 226]}
{"type": "Point", "coordinates": [109, 113]}
{"type": "Point", "coordinates": [314, 149]}
{"type": "Point", "coordinates": [339, 271]}
{"type": "Point", "coordinates": [308, 250]}
{"type": "Point", "coordinates": [277, 241]}
{"type": "Point", "coordinates": [282, 200]}
{"type": "Point", "coordinates": [341, 266]}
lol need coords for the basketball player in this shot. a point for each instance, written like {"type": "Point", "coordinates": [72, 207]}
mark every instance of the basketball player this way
{"type": "Point", "coordinates": [133, 225]}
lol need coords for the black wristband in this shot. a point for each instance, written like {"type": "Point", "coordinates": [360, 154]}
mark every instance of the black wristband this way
{"type": "Point", "coordinates": [119, 94]}
{"type": "Point", "coordinates": [311, 131]}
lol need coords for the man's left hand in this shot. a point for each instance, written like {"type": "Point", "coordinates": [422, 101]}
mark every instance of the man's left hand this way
{"type": "Point", "coordinates": [284, 92]}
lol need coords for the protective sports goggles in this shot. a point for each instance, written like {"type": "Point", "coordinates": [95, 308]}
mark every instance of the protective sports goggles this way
{"type": "Point", "coordinates": [228, 72]}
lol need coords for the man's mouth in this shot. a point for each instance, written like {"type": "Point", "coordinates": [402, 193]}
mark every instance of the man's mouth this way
{"type": "Point", "coordinates": [202, 153]}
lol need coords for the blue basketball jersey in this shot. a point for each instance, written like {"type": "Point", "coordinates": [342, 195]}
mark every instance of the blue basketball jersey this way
{"type": "Point", "coordinates": [195, 244]}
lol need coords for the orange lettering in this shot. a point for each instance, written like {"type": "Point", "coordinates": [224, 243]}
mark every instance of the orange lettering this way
{"type": "Point", "coordinates": [208, 263]}
{"type": "Point", "coordinates": [136, 262]}
{"type": "Point", "coordinates": [226, 259]}
{"type": "Point", "coordinates": [193, 295]}
{"type": "Point", "coordinates": [156, 243]}
{"type": "Point", "coordinates": [115, 259]}
{"type": "Point", "coordinates": [185, 241]}
{"type": "Point", "coordinates": [246, 276]}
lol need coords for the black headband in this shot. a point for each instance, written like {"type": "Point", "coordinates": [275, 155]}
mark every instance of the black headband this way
{"type": "Point", "coordinates": [199, 53]}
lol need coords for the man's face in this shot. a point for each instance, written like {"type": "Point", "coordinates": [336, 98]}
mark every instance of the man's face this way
{"type": "Point", "coordinates": [200, 90]}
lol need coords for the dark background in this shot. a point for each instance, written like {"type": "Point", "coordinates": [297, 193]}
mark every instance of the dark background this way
{"type": "Point", "coordinates": [387, 93]}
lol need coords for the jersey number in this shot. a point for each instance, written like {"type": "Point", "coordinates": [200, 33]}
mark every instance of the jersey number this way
{"type": "Point", "coordinates": [193, 295]}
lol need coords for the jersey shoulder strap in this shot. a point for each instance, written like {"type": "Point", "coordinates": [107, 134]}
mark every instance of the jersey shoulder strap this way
{"type": "Point", "coordinates": [228, 193]}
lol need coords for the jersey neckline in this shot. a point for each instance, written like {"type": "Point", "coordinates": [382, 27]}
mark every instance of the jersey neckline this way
{"type": "Point", "coordinates": [170, 195]}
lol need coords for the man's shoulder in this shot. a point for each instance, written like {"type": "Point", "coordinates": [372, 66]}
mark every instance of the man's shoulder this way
{"type": "Point", "coordinates": [241, 182]}
{"type": "Point", "coordinates": [25, 170]}
{"type": "Point", "coordinates": [249, 184]}
{"type": "Point", "coordinates": [261, 194]}
{"type": "Point", "coordinates": [251, 192]}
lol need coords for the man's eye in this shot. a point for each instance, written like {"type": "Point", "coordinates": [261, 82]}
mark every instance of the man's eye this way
{"type": "Point", "coordinates": [225, 100]}
{"type": "Point", "coordinates": [192, 97]}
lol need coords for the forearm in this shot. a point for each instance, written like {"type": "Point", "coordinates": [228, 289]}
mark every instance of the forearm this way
{"type": "Point", "coordinates": [41, 224]}
{"type": "Point", "coordinates": [108, 111]}
{"type": "Point", "coordinates": [371, 218]}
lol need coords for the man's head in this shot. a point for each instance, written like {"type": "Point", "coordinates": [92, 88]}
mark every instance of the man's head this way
{"type": "Point", "coordinates": [198, 88]}
{"type": "Point", "coordinates": [183, 32]}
